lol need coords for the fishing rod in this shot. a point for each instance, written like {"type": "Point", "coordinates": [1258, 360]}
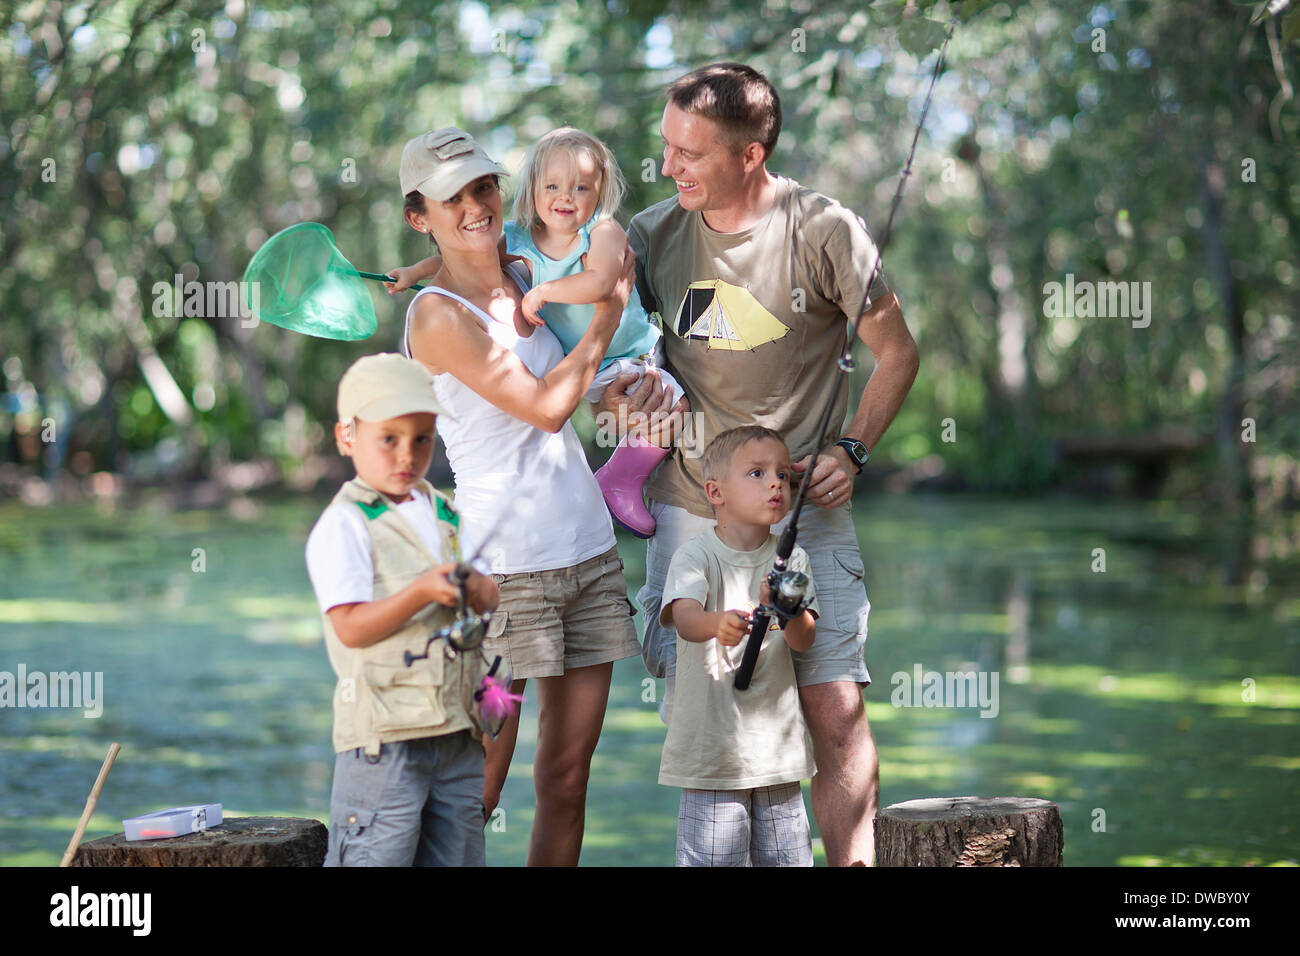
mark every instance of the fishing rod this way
{"type": "Point", "coordinates": [469, 629]}
{"type": "Point", "coordinates": [789, 588]}
{"type": "Point", "coordinates": [493, 700]}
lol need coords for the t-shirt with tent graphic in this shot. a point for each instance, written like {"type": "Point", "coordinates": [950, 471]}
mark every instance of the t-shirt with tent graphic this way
{"type": "Point", "coordinates": [752, 321]}
{"type": "Point", "coordinates": [727, 317]}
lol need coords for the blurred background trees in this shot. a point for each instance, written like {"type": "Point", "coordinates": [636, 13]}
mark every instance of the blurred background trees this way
{"type": "Point", "coordinates": [1127, 141]}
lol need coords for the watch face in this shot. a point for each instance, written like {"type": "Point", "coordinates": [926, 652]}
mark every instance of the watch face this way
{"type": "Point", "coordinates": [857, 451]}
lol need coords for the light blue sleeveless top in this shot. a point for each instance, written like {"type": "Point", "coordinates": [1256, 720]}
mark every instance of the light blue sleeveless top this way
{"type": "Point", "coordinates": [635, 337]}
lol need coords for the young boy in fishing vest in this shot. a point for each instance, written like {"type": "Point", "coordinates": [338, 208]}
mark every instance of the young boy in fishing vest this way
{"type": "Point", "coordinates": [408, 775]}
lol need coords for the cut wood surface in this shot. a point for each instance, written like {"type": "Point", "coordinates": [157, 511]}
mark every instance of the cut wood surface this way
{"type": "Point", "coordinates": [970, 831]}
{"type": "Point", "coordinates": [237, 841]}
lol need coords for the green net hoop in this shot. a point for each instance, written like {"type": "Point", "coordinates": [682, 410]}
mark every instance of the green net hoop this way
{"type": "Point", "coordinates": [304, 284]}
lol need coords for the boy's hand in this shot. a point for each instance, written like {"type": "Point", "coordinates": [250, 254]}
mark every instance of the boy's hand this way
{"type": "Point", "coordinates": [765, 593]}
{"type": "Point", "coordinates": [534, 299]}
{"type": "Point", "coordinates": [732, 628]}
{"type": "Point", "coordinates": [482, 592]}
{"type": "Point", "coordinates": [438, 587]}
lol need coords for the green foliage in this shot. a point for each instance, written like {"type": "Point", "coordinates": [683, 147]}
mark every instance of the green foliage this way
{"type": "Point", "coordinates": [141, 139]}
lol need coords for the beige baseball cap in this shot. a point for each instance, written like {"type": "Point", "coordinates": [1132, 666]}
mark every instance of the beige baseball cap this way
{"type": "Point", "coordinates": [387, 385]}
{"type": "Point", "coordinates": [439, 163]}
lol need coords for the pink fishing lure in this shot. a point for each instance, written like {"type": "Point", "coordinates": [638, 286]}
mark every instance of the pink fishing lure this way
{"type": "Point", "coordinates": [495, 699]}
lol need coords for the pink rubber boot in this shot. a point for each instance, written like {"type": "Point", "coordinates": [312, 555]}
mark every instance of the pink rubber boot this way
{"type": "Point", "coordinates": [622, 480]}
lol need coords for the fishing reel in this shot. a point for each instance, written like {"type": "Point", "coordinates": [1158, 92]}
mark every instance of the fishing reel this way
{"type": "Point", "coordinates": [492, 702]}
{"type": "Point", "coordinates": [789, 593]}
{"type": "Point", "coordinates": [465, 633]}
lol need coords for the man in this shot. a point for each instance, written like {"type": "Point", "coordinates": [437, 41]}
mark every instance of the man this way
{"type": "Point", "coordinates": [757, 279]}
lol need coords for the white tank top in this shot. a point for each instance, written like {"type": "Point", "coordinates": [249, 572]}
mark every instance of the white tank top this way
{"type": "Point", "coordinates": [499, 462]}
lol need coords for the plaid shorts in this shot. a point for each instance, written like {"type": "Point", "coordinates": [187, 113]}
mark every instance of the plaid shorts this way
{"type": "Point", "coordinates": [766, 826]}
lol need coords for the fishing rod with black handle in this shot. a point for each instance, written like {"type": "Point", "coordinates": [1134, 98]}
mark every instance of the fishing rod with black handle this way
{"type": "Point", "coordinates": [788, 588]}
{"type": "Point", "coordinates": [788, 596]}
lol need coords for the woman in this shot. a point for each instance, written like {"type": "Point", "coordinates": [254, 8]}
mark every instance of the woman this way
{"type": "Point", "coordinates": [509, 390]}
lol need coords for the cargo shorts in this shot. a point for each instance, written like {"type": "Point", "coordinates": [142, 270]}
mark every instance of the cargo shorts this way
{"type": "Point", "coordinates": [550, 622]}
{"type": "Point", "coordinates": [417, 803]}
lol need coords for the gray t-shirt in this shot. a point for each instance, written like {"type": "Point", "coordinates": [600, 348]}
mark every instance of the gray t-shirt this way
{"type": "Point", "coordinates": [753, 321]}
{"type": "Point", "coordinates": [721, 738]}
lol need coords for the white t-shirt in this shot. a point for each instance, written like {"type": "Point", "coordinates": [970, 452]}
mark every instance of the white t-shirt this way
{"type": "Point", "coordinates": [721, 738]}
{"type": "Point", "coordinates": [338, 550]}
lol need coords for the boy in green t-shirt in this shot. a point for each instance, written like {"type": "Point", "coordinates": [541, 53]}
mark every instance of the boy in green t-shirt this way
{"type": "Point", "coordinates": [737, 755]}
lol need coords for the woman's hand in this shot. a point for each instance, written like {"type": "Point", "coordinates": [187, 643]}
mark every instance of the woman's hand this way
{"type": "Point", "coordinates": [446, 338]}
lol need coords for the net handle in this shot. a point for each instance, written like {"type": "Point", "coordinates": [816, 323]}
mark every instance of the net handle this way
{"type": "Point", "coordinates": [379, 277]}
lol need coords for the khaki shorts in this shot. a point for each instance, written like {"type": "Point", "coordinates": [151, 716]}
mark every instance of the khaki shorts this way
{"type": "Point", "coordinates": [550, 622]}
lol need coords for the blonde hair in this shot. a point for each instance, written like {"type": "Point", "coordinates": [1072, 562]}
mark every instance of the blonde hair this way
{"type": "Point", "coordinates": [570, 140]}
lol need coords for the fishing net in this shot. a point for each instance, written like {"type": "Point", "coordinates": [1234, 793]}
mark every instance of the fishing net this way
{"type": "Point", "coordinates": [305, 284]}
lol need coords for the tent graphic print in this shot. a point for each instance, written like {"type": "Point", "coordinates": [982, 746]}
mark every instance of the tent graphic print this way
{"type": "Point", "coordinates": [726, 316]}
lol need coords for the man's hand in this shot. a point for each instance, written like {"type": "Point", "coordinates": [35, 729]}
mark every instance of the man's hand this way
{"type": "Point", "coordinates": [482, 592]}
{"type": "Point", "coordinates": [647, 410]}
{"type": "Point", "coordinates": [832, 480]}
{"type": "Point", "coordinates": [732, 627]}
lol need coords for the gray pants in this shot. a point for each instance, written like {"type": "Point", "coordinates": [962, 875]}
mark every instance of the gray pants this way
{"type": "Point", "coordinates": [419, 803]}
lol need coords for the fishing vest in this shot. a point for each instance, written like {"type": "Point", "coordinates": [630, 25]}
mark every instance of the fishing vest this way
{"type": "Point", "coordinates": [378, 698]}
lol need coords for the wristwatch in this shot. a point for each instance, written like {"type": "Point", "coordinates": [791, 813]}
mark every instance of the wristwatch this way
{"type": "Point", "coordinates": [857, 451]}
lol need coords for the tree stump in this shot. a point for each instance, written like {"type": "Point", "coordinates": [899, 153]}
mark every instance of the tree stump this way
{"type": "Point", "coordinates": [970, 831]}
{"type": "Point", "coordinates": [237, 841]}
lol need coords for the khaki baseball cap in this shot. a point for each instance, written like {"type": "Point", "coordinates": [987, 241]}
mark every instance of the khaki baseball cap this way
{"type": "Point", "coordinates": [388, 385]}
{"type": "Point", "coordinates": [440, 163]}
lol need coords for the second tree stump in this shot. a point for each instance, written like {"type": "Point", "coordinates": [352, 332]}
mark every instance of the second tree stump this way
{"type": "Point", "coordinates": [970, 831]}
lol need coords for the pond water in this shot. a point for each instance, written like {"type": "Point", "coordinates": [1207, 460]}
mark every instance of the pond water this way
{"type": "Point", "coordinates": [1156, 702]}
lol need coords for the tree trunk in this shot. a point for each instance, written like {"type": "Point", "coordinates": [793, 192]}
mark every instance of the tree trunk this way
{"type": "Point", "coordinates": [238, 841]}
{"type": "Point", "coordinates": [970, 831]}
{"type": "Point", "coordinates": [1233, 453]}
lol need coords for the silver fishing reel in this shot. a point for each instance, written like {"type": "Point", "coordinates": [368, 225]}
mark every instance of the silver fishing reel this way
{"type": "Point", "coordinates": [463, 634]}
{"type": "Point", "coordinates": [789, 593]}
